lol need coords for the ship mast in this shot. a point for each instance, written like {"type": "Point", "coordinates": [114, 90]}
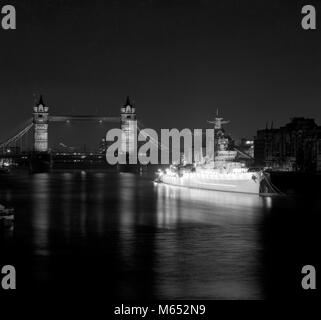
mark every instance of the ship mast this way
{"type": "Point", "coordinates": [217, 125]}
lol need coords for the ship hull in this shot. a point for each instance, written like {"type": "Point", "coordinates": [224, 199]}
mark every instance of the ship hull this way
{"type": "Point", "coordinates": [246, 184]}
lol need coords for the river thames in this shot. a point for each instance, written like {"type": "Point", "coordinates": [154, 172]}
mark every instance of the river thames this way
{"type": "Point", "coordinates": [88, 230]}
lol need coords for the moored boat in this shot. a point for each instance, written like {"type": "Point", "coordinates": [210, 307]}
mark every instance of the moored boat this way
{"type": "Point", "coordinates": [4, 169]}
{"type": "Point", "coordinates": [6, 216]}
{"type": "Point", "coordinates": [221, 173]}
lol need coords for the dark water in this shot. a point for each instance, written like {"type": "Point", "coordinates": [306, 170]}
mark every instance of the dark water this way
{"type": "Point", "coordinates": [83, 232]}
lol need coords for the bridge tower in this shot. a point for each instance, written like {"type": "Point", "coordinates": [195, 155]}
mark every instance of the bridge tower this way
{"type": "Point", "coordinates": [40, 120]}
{"type": "Point", "coordinates": [127, 125]}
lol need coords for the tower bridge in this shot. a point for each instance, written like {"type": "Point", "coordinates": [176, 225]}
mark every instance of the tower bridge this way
{"type": "Point", "coordinates": [41, 119]}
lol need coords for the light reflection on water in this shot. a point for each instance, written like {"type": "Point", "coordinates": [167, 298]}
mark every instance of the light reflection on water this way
{"type": "Point", "coordinates": [194, 204]}
{"type": "Point", "coordinates": [156, 240]}
{"type": "Point", "coordinates": [40, 212]}
{"type": "Point", "coordinates": [214, 249]}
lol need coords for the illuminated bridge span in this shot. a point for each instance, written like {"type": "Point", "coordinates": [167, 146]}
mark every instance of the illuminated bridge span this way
{"type": "Point", "coordinates": [83, 118]}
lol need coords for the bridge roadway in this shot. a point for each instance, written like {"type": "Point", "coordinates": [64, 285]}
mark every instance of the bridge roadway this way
{"type": "Point", "coordinates": [55, 155]}
{"type": "Point", "coordinates": [83, 118]}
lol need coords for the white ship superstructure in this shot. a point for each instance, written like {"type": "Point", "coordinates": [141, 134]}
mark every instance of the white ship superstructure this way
{"type": "Point", "coordinates": [222, 172]}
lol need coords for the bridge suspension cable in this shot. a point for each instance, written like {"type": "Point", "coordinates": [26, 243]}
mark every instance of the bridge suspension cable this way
{"type": "Point", "coordinates": [17, 136]}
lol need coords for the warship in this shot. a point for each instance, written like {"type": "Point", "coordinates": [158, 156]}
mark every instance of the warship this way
{"type": "Point", "coordinates": [222, 172]}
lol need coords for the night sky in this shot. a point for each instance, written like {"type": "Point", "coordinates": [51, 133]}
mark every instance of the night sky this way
{"type": "Point", "coordinates": [177, 60]}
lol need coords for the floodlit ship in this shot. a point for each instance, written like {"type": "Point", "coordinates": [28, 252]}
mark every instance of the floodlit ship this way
{"type": "Point", "coordinates": [221, 173]}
